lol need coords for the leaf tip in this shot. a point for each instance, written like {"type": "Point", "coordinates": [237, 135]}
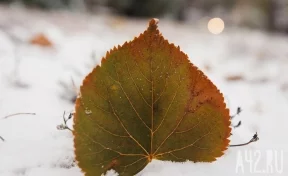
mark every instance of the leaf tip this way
{"type": "Point", "coordinates": [153, 24]}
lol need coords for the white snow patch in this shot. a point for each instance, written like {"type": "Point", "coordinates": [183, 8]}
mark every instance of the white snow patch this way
{"type": "Point", "coordinates": [30, 76]}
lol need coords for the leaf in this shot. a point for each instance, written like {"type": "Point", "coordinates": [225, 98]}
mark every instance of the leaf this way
{"type": "Point", "coordinates": [147, 101]}
{"type": "Point", "coordinates": [41, 40]}
{"type": "Point", "coordinates": [235, 78]}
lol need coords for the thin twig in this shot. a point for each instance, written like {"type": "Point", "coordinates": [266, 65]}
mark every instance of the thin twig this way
{"type": "Point", "coordinates": [238, 124]}
{"type": "Point", "coordinates": [2, 138]}
{"type": "Point", "coordinates": [239, 110]}
{"type": "Point", "coordinates": [254, 139]}
{"type": "Point", "coordinates": [16, 114]}
{"type": "Point", "coordinates": [11, 115]}
{"type": "Point", "coordinates": [65, 126]}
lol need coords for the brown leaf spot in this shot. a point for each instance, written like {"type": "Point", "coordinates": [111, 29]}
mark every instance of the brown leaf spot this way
{"type": "Point", "coordinates": [112, 164]}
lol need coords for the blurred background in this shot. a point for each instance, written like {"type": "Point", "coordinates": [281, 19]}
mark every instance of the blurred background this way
{"type": "Point", "coordinates": [269, 15]}
{"type": "Point", "coordinates": [47, 47]}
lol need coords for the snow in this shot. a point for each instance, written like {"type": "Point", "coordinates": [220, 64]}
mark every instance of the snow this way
{"type": "Point", "coordinates": [32, 79]}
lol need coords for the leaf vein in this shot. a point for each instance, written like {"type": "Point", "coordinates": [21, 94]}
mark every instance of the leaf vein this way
{"type": "Point", "coordinates": [142, 72]}
{"type": "Point", "coordinates": [136, 86]}
{"type": "Point", "coordinates": [173, 99]}
{"type": "Point", "coordinates": [165, 85]}
{"type": "Point", "coordinates": [192, 144]}
{"type": "Point", "coordinates": [121, 123]}
{"type": "Point", "coordinates": [101, 127]}
{"type": "Point", "coordinates": [127, 97]}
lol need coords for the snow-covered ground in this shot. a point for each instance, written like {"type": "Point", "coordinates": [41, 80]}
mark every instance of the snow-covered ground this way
{"type": "Point", "coordinates": [33, 80]}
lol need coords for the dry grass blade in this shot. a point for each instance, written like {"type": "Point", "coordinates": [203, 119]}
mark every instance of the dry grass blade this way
{"type": "Point", "coordinates": [16, 114]}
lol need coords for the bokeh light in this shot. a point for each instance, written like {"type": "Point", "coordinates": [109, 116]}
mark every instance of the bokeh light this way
{"type": "Point", "coordinates": [216, 25]}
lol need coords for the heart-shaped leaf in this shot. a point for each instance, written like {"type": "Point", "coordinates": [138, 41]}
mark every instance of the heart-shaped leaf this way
{"type": "Point", "coordinates": [147, 101]}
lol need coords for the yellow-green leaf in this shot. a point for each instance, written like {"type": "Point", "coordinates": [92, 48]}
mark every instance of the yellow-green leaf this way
{"type": "Point", "coordinates": [147, 101]}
